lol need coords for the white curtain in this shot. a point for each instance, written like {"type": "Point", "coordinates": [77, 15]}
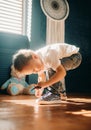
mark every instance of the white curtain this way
{"type": "Point", "coordinates": [55, 33]}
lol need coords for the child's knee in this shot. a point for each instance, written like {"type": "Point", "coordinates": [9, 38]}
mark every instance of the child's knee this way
{"type": "Point", "coordinates": [77, 59]}
{"type": "Point", "coordinates": [15, 89]}
{"type": "Point", "coordinates": [72, 62]}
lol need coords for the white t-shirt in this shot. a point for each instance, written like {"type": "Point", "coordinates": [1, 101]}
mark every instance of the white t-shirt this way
{"type": "Point", "coordinates": [50, 54]}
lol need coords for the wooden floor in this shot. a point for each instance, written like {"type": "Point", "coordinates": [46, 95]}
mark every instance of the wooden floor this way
{"type": "Point", "coordinates": [22, 113]}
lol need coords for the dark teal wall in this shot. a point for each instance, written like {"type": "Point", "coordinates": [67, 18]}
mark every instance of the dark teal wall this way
{"type": "Point", "coordinates": [38, 34]}
{"type": "Point", "coordinates": [78, 32]}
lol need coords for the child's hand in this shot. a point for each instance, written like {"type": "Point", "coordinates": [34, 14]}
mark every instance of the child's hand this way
{"type": "Point", "coordinates": [38, 92]}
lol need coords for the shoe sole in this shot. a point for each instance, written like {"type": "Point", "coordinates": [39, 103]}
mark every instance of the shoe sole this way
{"type": "Point", "coordinates": [48, 102]}
{"type": "Point", "coordinates": [64, 98]}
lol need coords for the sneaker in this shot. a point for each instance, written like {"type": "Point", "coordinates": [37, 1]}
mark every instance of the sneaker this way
{"type": "Point", "coordinates": [49, 98]}
{"type": "Point", "coordinates": [63, 96]}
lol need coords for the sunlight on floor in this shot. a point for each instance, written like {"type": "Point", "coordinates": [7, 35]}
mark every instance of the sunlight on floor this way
{"type": "Point", "coordinates": [83, 112]}
{"type": "Point", "coordinates": [70, 101]}
{"type": "Point", "coordinates": [7, 125]}
{"type": "Point", "coordinates": [82, 100]}
{"type": "Point", "coordinates": [32, 101]}
{"type": "Point", "coordinates": [28, 102]}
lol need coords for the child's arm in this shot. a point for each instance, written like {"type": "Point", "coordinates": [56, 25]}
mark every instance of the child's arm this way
{"type": "Point", "coordinates": [41, 77]}
{"type": "Point", "coordinates": [38, 89]}
{"type": "Point", "coordinates": [60, 74]}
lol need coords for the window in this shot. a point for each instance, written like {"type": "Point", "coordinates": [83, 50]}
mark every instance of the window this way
{"type": "Point", "coordinates": [15, 16]}
{"type": "Point", "coordinates": [28, 17]}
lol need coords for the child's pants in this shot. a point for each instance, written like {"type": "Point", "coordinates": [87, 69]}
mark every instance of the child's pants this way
{"type": "Point", "coordinates": [69, 63]}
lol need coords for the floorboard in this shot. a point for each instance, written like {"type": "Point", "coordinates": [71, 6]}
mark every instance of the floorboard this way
{"type": "Point", "coordinates": [22, 113]}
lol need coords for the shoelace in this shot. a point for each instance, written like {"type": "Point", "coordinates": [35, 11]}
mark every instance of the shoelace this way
{"type": "Point", "coordinates": [53, 92]}
{"type": "Point", "coordinates": [38, 87]}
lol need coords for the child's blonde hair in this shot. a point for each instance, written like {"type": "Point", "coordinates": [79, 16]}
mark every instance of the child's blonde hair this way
{"type": "Point", "coordinates": [21, 58]}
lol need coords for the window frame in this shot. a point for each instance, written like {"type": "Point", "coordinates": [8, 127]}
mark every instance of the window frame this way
{"type": "Point", "coordinates": [24, 20]}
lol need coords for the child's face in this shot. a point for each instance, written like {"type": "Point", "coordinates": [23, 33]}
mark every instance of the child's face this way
{"type": "Point", "coordinates": [35, 65]}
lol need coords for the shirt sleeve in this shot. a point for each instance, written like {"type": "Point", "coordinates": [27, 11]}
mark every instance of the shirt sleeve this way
{"type": "Point", "coordinates": [52, 59]}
